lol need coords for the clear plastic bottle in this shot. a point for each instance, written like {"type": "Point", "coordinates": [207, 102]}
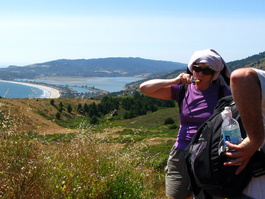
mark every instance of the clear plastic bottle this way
{"type": "Point", "coordinates": [230, 128]}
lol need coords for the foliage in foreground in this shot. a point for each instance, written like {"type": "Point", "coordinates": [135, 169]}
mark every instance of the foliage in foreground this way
{"type": "Point", "coordinates": [78, 166]}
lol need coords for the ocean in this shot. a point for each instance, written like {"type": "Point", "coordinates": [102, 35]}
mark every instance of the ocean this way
{"type": "Point", "coordinates": [110, 84]}
{"type": "Point", "coordinates": [12, 90]}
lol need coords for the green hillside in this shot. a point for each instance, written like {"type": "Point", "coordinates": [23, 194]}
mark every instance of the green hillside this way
{"type": "Point", "coordinates": [254, 61]}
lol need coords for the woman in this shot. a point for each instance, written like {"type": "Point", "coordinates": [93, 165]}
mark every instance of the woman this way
{"type": "Point", "coordinates": [208, 70]}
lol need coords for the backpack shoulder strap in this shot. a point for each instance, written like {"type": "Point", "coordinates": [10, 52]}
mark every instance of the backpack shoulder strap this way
{"type": "Point", "coordinates": [182, 95]}
{"type": "Point", "coordinates": [221, 92]}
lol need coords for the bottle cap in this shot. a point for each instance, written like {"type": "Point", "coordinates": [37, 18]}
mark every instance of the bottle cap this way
{"type": "Point", "coordinates": [226, 112]}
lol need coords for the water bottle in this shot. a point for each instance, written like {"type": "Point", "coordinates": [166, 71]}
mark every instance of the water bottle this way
{"type": "Point", "coordinates": [230, 128]}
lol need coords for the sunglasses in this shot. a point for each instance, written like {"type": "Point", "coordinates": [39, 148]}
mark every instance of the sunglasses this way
{"type": "Point", "coordinates": [205, 71]}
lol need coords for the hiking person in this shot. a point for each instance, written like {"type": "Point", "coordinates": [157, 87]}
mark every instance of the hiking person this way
{"type": "Point", "coordinates": [206, 81]}
{"type": "Point", "coordinates": [248, 90]}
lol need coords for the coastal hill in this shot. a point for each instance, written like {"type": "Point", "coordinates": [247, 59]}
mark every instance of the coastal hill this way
{"type": "Point", "coordinates": [112, 67]}
{"type": "Point", "coordinates": [102, 67]}
{"type": "Point", "coordinates": [254, 61]}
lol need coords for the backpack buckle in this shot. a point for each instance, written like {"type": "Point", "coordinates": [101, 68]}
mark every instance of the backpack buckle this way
{"type": "Point", "coordinates": [222, 149]}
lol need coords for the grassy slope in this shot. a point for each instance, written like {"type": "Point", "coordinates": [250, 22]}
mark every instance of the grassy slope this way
{"type": "Point", "coordinates": [38, 115]}
{"type": "Point", "coordinates": [147, 133]}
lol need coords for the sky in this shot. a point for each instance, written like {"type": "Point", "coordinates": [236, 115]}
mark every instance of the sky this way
{"type": "Point", "coordinates": [37, 31]}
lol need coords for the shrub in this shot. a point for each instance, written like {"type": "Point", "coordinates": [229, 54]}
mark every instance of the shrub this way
{"type": "Point", "coordinates": [169, 120]}
{"type": "Point", "coordinates": [94, 120]}
{"type": "Point", "coordinates": [58, 115]}
{"type": "Point", "coordinates": [52, 102]}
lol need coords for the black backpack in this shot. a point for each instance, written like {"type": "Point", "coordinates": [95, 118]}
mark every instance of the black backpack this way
{"type": "Point", "coordinates": [205, 158]}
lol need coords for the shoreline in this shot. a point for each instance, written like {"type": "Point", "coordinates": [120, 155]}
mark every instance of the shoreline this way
{"type": "Point", "coordinates": [53, 93]}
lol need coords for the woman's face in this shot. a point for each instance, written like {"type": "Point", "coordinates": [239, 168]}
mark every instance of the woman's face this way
{"type": "Point", "coordinates": [203, 73]}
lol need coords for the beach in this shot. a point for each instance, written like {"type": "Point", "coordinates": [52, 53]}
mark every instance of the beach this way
{"type": "Point", "coordinates": [52, 92]}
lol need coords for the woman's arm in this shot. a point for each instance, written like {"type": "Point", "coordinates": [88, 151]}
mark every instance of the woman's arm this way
{"type": "Point", "coordinates": [161, 88]}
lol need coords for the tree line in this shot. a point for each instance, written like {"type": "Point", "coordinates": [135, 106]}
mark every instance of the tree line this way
{"type": "Point", "coordinates": [124, 107]}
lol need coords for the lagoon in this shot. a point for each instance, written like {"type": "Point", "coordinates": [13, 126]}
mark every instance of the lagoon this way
{"type": "Point", "coordinates": [110, 84]}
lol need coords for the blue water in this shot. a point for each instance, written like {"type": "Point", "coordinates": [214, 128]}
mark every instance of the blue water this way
{"type": "Point", "coordinates": [12, 90]}
{"type": "Point", "coordinates": [110, 84]}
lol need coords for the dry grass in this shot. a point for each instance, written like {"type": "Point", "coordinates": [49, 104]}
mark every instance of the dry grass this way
{"type": "Point", "coordinates": [27, 112]}
{"type": "Point", "coordinates": [83, 166]}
